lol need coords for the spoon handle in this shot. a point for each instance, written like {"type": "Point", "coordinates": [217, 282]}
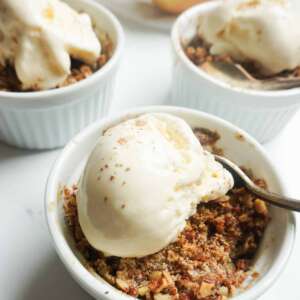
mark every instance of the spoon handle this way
{"type": "Point", "coordinates": [275, 199]}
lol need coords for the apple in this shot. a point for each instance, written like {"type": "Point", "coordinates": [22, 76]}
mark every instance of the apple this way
{"type": "Point", "coordinates": [175, 6]}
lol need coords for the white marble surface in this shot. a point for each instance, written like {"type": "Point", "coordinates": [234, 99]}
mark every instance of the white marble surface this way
{"type": "Point", "coordinates": [29, 267]}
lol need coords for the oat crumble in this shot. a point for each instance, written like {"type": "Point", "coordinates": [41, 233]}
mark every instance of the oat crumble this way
{"type": "Point", "coordinates": [210, 259]}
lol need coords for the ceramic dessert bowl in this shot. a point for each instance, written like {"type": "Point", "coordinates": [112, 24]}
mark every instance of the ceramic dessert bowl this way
{"type": "Point", "coordinates": [275, 247]}
{"type": "Point", "coordinates": [261, 113]}
{"type": "Point", "coordinates": [48, 119]}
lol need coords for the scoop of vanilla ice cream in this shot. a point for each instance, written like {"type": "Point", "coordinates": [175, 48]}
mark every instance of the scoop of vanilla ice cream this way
{"type": "Point", "coordinates": [38, 38]}
{"type": "Point", "coordinates": [263, 31]}
{"type": "Point", "coordinates": [142, 182]}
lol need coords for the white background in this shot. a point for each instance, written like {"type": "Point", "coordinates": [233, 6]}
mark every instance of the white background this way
{"type": "Point", "coordinates": [29, 267]}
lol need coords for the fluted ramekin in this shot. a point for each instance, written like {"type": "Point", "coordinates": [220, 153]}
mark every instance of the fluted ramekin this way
{"type": "Point", "coordinates": [48, 119]}
{"type": "Point", "coordinates": [279, 237]}
{"type": "Point", "coordinates": [261, 113]}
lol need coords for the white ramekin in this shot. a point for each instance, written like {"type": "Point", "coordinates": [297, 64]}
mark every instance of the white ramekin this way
{"type": "Point", "coordinates": [261, 113]}
{"type": "Point", "coordinates": [278, 240]}
{"type": "Point", "coordinates": [48, 119]}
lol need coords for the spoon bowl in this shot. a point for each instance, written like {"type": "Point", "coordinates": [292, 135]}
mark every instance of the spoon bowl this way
{"type": "Point", "coordinates": [236, 75]}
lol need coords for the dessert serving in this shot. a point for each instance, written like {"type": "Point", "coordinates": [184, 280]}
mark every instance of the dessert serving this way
{"type": "Point", "coordinates": [239, 60]}
{"type": "Point", "coordinates": [47, 44]}
{"type": "Point", "coordinates": [158, 218]}
{"type": "Point", "coordinates": [257, 37]}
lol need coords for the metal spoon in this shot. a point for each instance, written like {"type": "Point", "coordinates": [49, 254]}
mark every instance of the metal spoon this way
{"type": "Point", "coordinates": [237, 75]}
{"type": "Point", "coordinates": [241, 179]}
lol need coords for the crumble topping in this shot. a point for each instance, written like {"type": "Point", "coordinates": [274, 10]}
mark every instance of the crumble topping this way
{"type": "Point", "coordinates": [208, 140]}
{"type": "Point", "coordinates": [210, 259]}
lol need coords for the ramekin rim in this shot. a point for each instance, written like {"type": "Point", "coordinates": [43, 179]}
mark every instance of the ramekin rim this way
{"type": "Point", "coordinates": [87, 280]}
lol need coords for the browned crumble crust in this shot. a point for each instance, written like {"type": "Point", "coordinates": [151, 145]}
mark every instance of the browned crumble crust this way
{"type": "Point", "coordinates": [198, 52]}
{"type": "Point", "coordinates": [210, 259]}
{"type": "Point", "coordinates": [208, 140]}
{"type": "Point", "coordinates": [79, 70]}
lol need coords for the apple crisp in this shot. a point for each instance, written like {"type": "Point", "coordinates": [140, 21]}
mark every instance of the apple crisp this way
{"type": "Point", "coordinates": [210, 259]}
{"type": "Point", "coordinates": [9, 81]}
